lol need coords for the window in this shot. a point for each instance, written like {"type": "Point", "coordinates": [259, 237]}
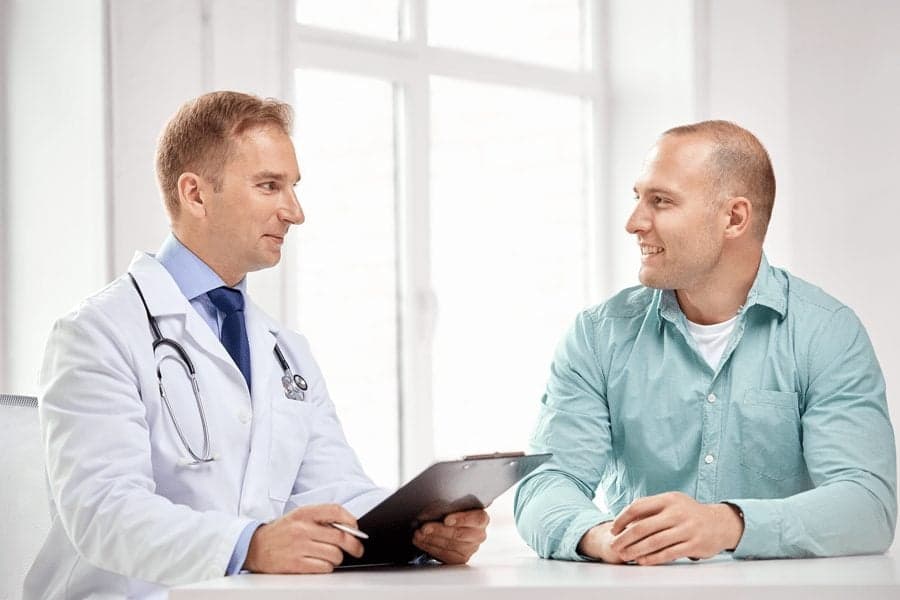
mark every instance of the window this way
{"type": "Point", "coordinates": [447, 152]}
{"type": "Point", "coordinates": [509, 254]}
{"type": "Point", "coordinates": [346, 286]}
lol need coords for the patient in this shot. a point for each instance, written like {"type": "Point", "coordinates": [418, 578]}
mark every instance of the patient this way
{"type": "Point", "coordinates": [724, 404]}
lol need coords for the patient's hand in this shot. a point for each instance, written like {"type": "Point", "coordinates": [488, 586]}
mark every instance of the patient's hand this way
{"type": "Point", "coordinates": [456, 538]}
{"type": "Point", "coordinates": [662, 528]}
{"type": "Point", "coordinates": [597, 543]}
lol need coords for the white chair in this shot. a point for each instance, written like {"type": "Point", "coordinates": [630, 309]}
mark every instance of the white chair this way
{"type": "Point", "coordinates": [25, 515]}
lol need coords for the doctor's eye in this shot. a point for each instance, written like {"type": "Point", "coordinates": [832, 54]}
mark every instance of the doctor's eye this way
{"type": "Point", "coordinates": [661, 201]}
{"type": "Point", "coordinates": [269, 186]}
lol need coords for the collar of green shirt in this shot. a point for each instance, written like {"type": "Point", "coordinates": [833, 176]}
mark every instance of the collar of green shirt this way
{"type": "Point", "coordinates": [767, 290]}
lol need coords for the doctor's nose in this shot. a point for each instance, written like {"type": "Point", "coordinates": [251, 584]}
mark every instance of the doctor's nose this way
{"type": "Point", "coordinates": [292, 212]}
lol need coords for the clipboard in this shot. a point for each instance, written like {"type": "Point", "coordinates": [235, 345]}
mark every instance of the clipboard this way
{"type": "Point", "coordinates": [443, 488]}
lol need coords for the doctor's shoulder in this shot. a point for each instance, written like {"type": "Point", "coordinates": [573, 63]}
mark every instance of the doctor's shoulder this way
{"type": "Point", "coordinates": [113, 314]}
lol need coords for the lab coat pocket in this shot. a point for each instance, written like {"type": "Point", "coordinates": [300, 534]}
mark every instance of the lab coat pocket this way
{"type": "Point", "coordinates": [287, 445]}
{"type": "Point", "coordinates": [769, 430]}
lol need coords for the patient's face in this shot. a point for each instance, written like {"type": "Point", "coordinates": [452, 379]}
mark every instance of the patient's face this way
{"type": "Point", "coordinates": [674, 218]}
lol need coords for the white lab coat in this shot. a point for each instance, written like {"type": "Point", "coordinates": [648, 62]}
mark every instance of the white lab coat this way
{"type": "Point", "coordinates": [127, 516]}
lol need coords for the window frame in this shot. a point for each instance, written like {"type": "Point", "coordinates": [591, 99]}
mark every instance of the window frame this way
{"type": "Point", "coordinates": [408, 64]}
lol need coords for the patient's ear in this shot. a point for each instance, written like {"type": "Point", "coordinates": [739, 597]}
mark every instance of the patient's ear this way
{"type": "Point", "coordinates": [740, 216]}
{"type": "Point", "coordinates": [191, 194]}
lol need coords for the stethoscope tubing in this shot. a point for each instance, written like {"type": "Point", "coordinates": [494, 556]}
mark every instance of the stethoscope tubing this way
{"type": "Point", "coordinates": [294, 384]}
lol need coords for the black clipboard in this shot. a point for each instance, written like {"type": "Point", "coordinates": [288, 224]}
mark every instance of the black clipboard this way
{"type": "Point", "coordinates": [443, 488]}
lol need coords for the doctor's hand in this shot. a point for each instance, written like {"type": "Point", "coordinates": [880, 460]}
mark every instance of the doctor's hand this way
{"type": "Point", "coordinates": [303, 541]}
{"type": "Point", "coordinates": [662, 528]}
{"type": "Point", "coordinates": [454, 540]}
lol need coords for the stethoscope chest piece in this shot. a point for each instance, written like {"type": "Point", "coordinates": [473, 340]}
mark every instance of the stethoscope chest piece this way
{"type": "Point", "coordinates": [294, 386]}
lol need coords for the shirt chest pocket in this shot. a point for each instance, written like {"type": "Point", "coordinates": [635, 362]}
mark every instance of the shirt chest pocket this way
{"type": "Point", "coordinates": [770, 435]}
{"type": "Point", "coordinates": [291, 422]}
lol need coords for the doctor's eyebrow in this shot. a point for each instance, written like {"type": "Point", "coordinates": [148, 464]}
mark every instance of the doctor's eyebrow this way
{"type": "Point", "coordinates": [274, 175]}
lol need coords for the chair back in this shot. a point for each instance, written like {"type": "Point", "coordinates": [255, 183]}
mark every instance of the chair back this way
{"type": "Point", "coordinates": [25, 517]}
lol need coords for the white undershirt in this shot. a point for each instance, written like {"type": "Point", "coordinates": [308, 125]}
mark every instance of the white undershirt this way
{"type": "Point", "coordinates": [711, 340]}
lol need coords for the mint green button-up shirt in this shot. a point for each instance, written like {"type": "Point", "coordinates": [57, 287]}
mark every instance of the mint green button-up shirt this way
{"type": "Point", "coordinates": [792, 426]}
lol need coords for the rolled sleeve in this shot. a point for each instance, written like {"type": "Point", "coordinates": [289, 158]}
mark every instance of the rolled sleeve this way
{"type": "Point", "coordinates": [554, 506]}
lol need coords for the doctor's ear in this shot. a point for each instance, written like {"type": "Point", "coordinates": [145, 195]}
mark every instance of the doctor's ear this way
{"type": "Point", "coordinates": [192, 190]}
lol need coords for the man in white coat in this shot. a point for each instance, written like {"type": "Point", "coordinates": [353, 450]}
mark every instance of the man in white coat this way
{"type": "Point", "coordinates": [187, 434]}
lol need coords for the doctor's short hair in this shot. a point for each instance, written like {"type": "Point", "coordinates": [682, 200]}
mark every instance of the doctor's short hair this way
{"type": "Point", "coordinates": [739, 166]}
{"type": "Point", "coordinates": [198, 139]}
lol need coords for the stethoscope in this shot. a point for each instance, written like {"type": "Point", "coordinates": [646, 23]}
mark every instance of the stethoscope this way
{"type": "Point", "coordinates": [294, 384]}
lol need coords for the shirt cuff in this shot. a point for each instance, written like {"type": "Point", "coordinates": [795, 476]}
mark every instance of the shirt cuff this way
{"type": "Point", "coordinates": [236, 564]}
{"type": "Point", "coordinates": [762, 529]}
{"type": "Point", "coordinates": [580, 525]}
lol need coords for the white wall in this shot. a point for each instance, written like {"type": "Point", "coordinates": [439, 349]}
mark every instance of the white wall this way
{"type": "Point", "coordinates": [819, 82]}
{"type": "Point", "coordinates": [5, 31]}
{"type": "Point", "coordinates": [56, 172]}
{"type": "Point", "coordinates": [746, 64]}
{"type": "Point", "coordinates": [652, 86]}
{"type": "Point", "coordinates": [844, 127]}
{"type": "Point", "coordinates": [88, 87]}
{"type": "Point", "coordinates": [164, 52]}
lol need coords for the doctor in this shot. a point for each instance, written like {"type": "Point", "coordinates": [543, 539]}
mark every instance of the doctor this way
{"type": "Point", "coordinates": [187, 434]}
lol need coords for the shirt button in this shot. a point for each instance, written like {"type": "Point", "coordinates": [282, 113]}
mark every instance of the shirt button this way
{"type": "Point", "coordinates": [244, 416]}
{"type": "Point", "coordinates": [711, 398]}
{"type": "Point", "coordinates": [709, 458]}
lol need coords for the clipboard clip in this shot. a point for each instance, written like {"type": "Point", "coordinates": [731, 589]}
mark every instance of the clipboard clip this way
{"type": "Point", "coordinates": [517, 454]}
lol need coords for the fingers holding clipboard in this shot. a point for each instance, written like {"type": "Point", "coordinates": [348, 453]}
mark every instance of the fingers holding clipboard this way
{"type": "Point", "coordinates": [443, 488]}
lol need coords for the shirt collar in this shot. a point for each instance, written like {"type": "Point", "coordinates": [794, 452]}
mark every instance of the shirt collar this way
{"type": "Point", "coordinates": [767, 290]}
{"type": "Point", "coordinates": [193, 276]}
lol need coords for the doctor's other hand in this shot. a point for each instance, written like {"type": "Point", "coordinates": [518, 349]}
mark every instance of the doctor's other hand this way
{"type": "Point", "coordinates": [454, 540]}
{"type": "Point", "coordinates": [303, 541]}
{"type": "Point", "coordinates": [665, 527]}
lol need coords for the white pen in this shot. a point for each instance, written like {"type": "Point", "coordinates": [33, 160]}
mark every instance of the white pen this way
{"type": "Point", "coordinates": [350, 530]}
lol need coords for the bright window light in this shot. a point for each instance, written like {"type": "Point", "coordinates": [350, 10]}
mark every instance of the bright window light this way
{"type": "Point", "coordinates": [546, 32]}
{"type": "Point", "coordinates": [509, 255]}
{"type": "Point", "coordinates": [373, 18]}
{"type": "Point", "coordinates": [346, 281]}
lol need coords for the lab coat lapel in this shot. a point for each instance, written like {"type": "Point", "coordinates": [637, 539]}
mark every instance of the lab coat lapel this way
{"type": "Point", "coordinates": [164, 299]}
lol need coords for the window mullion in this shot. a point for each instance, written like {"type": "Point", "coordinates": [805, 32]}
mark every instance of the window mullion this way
{"type": "Point", "coordinates": [600, 212]}
{"type": "Point", "coordinates": [417, 299]}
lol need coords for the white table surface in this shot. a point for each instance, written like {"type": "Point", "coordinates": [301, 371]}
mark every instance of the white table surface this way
{"type": "Point", "coordinates": [505, 569]}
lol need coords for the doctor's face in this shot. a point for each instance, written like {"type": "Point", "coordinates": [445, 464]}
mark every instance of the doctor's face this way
{"type": "Point", "coordinates": [255, 206]}
{"type": "Point", "coordinates": [676, 218]}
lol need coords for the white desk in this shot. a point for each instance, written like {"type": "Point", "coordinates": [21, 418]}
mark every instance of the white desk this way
{"type": "Point", "coordinates": [526, 577]}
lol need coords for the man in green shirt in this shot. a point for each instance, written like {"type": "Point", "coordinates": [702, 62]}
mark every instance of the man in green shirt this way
{"type": "Point", "coordinates": [722, 405]}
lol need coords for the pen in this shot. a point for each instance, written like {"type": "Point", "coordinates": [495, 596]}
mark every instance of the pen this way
{"type": "Point", "coordinates": [350, 530]}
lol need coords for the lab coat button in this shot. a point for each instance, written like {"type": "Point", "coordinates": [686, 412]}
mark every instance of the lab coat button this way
{"type": "Point", "coordinates": [244, 416]}
{"type": "Point", "coordinates": [709, 459]}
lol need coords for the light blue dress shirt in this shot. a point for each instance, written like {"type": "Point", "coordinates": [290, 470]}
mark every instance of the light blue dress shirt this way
{"type": "Point", "coordinates": [792, 426]}
{"type": "Point", "coordinates": [194, 278]}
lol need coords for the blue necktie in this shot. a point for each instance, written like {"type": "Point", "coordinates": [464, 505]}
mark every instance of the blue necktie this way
{"type": "Point", "coordinates": [234, 330]}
